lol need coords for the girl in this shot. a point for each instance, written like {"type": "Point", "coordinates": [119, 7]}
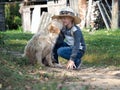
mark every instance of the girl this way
{"type": "Point", "coordinates": [70, 43]}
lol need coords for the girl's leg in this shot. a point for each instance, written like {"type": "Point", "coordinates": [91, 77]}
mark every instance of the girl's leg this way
{"type": "Point", "coordinates": [65, 52]}
{"type": "Point", "coordinates": [55, 54]}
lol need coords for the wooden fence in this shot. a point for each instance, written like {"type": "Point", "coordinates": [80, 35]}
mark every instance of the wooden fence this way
{"type": "Point", "coordinates": [35, 19]}
{"type": "Point", "coordinates": [44, 20]}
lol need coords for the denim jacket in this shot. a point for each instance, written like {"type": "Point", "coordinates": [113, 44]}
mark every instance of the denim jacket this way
{"type": "Point", "coordinates": [74, 38]}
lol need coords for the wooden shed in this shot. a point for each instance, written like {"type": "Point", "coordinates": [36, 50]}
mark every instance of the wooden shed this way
{"type": "Point", "coordinates": [32, 13]}
{"type": "Point", "coordinates": [94, 14]}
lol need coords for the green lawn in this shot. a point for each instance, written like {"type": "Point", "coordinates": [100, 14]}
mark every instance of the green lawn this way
{"type": "Point", "coordinates": [102, 50]}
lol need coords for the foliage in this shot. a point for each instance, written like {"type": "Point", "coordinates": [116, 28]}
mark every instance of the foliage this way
{"type": "Point", "coordinates": [2, 38]}
{"type": "Point", "coordinates": [12, 16]}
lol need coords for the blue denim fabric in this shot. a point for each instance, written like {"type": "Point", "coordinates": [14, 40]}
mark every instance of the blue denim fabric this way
{"type": "Point", "coordinates": [65, 51]}
{"type": "Point", "coordinates": [55, 54]}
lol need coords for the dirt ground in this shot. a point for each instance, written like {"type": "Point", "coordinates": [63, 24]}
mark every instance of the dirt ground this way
{"type": "Point", "coordinates": [88, 78]}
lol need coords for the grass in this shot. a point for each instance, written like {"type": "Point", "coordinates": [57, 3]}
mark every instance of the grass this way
{"type": "Point", "coordinates": [102, 50]}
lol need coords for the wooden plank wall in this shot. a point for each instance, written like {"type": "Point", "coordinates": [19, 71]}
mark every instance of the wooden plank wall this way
{"type": "Point", "coordinates": [74, 5]}
{"type": "Point", "coordinates": [2, 17]}
{"type": "Point", "coordinates": [55, 8]}
{"type": "Point", "coordinates": [44, 20]}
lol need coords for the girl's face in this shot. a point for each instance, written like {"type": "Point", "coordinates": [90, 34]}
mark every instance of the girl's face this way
{"type": "Point", "coordinates": [67, 20]}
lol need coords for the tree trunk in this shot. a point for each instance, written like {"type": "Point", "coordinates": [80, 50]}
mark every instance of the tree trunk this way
{"type": "Point", "coordinates": [115, 15]}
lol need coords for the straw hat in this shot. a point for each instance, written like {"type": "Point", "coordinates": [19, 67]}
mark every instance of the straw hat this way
{"type": "Point", "coordinates": [67, 12]}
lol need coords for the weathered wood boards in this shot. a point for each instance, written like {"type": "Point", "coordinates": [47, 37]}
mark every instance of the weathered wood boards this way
{"type": "Point", "coordinates": [35, 19]}
{"type": "Point", "coordinates": [26, 19]}
{"type": "Point", "coordinates": [89, 13]}
{"type": "Point", "coordinates": [115, 14]}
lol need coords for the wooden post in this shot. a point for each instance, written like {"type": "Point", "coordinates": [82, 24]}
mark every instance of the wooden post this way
{"type": "Point", "coordinates": [115, 14]}
{"type": "Point", "coordinates": [82, 5]}
{"type": "Point", "coordinates": [35, 19]}
{"type": "Point", "coordinates": [89, 13]}
{"type": "Point", "coordinates": [26, 20]}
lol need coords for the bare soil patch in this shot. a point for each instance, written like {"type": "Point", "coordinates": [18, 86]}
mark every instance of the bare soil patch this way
{"type": "Point", "coordinates": [88, 78]}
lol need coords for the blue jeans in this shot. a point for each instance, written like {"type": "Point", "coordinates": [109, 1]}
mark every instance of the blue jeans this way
{"type": "Point", "coordinates": [65, 51]}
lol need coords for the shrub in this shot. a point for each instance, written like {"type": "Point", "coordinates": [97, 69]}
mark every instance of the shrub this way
{"type": "Point", "coordinates": [2, 38]}
{"type": "Point", "coordinates": [12, 16]}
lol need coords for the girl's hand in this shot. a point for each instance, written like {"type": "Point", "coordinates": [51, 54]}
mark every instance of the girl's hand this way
{"type": "Point", "coordinates": [70, 65]}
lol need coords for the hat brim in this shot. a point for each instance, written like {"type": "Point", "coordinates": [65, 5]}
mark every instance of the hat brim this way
{"type": "Point", "coordinates": [76, 19]}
